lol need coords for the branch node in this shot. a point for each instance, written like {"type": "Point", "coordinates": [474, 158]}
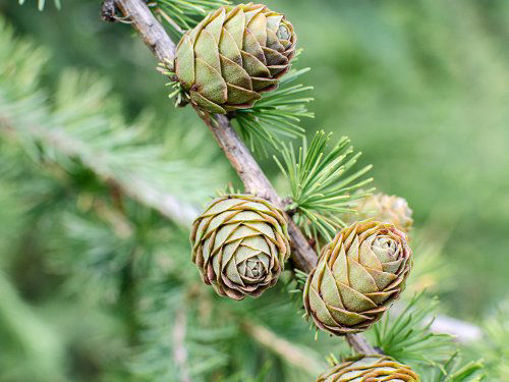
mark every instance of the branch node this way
{"type": "Point", "coordinates": [109, 13]}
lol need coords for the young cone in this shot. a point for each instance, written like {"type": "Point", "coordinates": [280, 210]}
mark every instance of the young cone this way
{"type": "Point", "coordinates": [233, 55]}
{"type": "Point", "coordinates": [240, 244]}
{"type": "Point", "coordinates": [385, 208]}
{"type": "Point", "coordinates": [358, 275]}
{"type": "Point", "coordinates": [369, 369]}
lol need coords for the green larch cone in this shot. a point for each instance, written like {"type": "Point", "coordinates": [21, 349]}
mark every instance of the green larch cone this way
{"type": "Point", "coordinates": [233, 55]}
{"type": "Point", "coordinates": [385, 208]}
{"type": "Point", "coordinates": [240, 244]}
{"type": "Point", "coordinates": [358, 275]}
{"type": "Point", "coordinates": [369, 369]}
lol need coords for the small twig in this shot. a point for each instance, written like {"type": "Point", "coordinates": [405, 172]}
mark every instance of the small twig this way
{"type": "Point", "coordinates": [361, 344]}
{"type": "Point", "coordinates": [462, 331]}
{"type": "Point", "coordinates": [179, 348]}
{"type": "Point", "coordinates": [283, 348]}
{"type": "Point", "coordinates": [109, 13]}
{"type": "Point", "coordinates": [116, 220]}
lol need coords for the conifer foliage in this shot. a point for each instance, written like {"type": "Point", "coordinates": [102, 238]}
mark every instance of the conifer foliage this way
{"type": "Point", "coordinates": [117, 202]}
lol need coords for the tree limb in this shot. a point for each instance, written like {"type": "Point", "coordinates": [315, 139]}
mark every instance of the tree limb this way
{"type": "Point", "coordinates": [150, 30]}
{"type": "Point", "coordinates": [255, 181]}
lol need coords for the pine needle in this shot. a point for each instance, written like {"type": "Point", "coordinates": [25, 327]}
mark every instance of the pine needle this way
{"type": "Point", "coordinates": [277, 115]}
{"type": "Point", "coordinates": [181, 15]}
{"type": "Point", "coordinates": [323, 183]}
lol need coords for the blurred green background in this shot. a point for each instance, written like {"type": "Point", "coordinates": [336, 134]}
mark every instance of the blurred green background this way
{"type": "Point", "coordinates": [421, 87]}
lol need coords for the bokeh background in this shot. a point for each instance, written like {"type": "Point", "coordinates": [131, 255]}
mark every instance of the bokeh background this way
{"type": "Point", "coordinates": [421, 87]}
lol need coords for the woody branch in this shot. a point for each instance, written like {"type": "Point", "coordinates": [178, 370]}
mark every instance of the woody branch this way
{"type": "Point", "coordinates": [255, 181]}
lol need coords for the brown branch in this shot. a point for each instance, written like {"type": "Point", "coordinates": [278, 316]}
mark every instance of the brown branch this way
{"type": "Point", "coordinates": [255, 181]}
{"type": "Point", "coordinates": [150, 30]}
{"type": "Point", "coordinates": [361, 345]}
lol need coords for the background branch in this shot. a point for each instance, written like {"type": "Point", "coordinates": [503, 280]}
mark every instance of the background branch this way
{"type": "Point", "coordinates": [285, 349]}
{"type": "Point", "coordinates": [137, 187]}
{"type": "Point", "coordinates": [462, 331]}
{"type": "Point", "coordinates": [180, 352]}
